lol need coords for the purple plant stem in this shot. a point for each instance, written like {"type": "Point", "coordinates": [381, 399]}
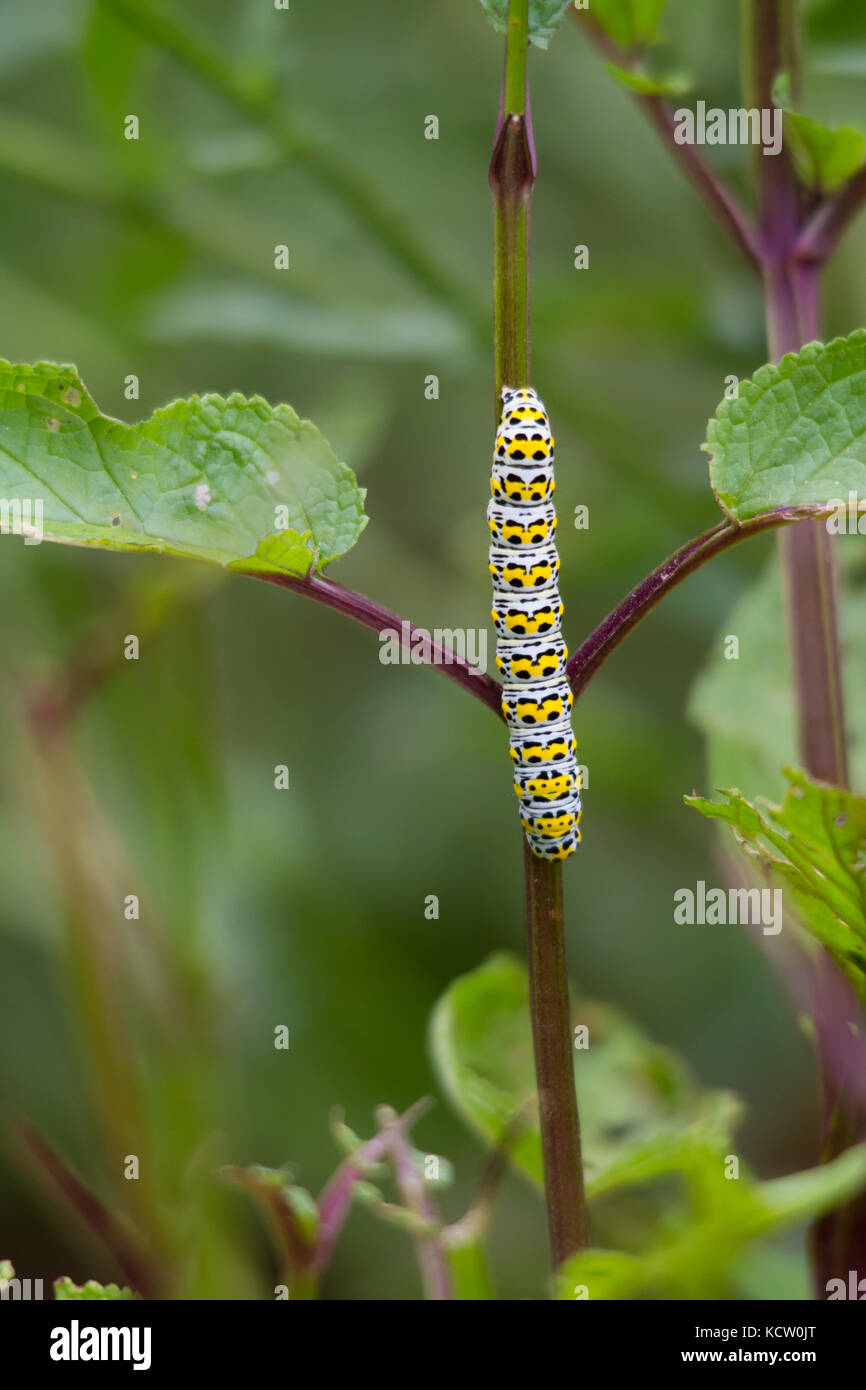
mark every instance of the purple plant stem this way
{"type": "Point", "coordinates": [336, 1197]}
{"type": "Point", "coordinates": [432, 1261]}
{"type": "Point", "coordinates": [142, 1273]}
{"type": "Point", "coordinates": [771, 34]}
{"type": "Point", "coordinates": [374, 615]}
{"type": "Point", "coordinates": [822, 232]}
{"type": "Point", "coordinates": [772, 40]}
{"type": "Point", "coordinates": [809, 566]}
{"type": "Point", "coordinates": [595, 650]}
{"type": "Point", "coordinates": [711, 188]}
{"type": "Point", "coordinates": [568, 1218]}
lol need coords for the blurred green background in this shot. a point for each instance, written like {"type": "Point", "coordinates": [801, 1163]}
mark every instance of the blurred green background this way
{"type": "Point", "coordinates": [307, 907]}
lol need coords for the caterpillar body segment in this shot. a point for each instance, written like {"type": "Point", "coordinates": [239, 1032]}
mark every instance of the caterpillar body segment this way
{"type": "Point", "coordinates": [526, 569]}
{"type": "Point", "coordinates": [514, 527]}
{"type": "Point", "coordinates": [527, 614]}
{"type": "Point", "coordinates": [535, 659]}
{"type": "Point", "coordinates": [537, 706]}
{"type": "Point", "coordinates": [536, 616]}
{"type": "Point", "coordinates": [531, 749]}
{"type": "Point", "coordinates": [522, 486]}
{"type": "Point", "coordinates": [546, 848]}
{"type": "Point", "coordinates": [544, 786]}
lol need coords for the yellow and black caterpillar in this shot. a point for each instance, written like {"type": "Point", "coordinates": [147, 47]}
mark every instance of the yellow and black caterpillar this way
{"type": "Point", "coordinates": [527, 611]}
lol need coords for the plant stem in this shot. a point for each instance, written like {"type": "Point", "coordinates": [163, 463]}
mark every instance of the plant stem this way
{"type": "Point", "coordinates": [369, 613]}
{"type": "Point", "coordinates": [793, 256]}
{"type": "Point", "coordinates": [512, 176]}
{"type": "Point", "coordinates": [412, 1186]}
{"type": "Point", "coordinates": [711, 188]}
{"type": "Point", "coordinates": [822, 232]}
{"type": "Point", "coordinates": [136, 1263]}
{"type": "Point", "coordinates": [567, 1216]}
{"type": "Point", "coordinates": [601, 643]}
{"type": "Point", "coordinates": [771, 44]}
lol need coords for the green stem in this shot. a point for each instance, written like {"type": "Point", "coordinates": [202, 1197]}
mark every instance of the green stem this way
{"type": "Point", "coordinates": [512, 176]}
{"type": "Point", "coordinates": [516, 41]}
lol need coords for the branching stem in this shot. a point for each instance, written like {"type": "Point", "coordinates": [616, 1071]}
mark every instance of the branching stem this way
{"type": "Point", "coordinates": [512, 177]}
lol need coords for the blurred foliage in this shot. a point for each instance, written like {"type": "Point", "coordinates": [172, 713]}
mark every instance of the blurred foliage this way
{"type": "Point", "coordinates": [825, 159]}
{"type": "Point", "coordinates": [91, 1292]}
{"type": "Point", "coordinates": [260, 908]}
{"type": "Point", "coordinates": [815, 844]}
{"type": "Point", "coordinates": [698, 1248]}
{"type": "Point", "coordinates": [745, 707]}
{"type": "Point", "coordinates": [638, 1108]}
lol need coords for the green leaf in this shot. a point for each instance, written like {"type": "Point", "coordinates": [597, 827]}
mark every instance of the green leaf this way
{"type": "Point", "coordinates": [675, 84]}
{"type": "Point", "coordinates": [236, 482]}
{"type": "Point", "coordinates": [66, 1291]}
{"type": "Point", "coordinates": [795, 434]}
{"type": "Point", "coordinates": [630, 23]}
{"type": "Point", "coordinates": [825, 158]}
{"type": "Point", "coordinates": [815, 844]}
{"type": "Point", "coordinates": [640, 1112]}
{"type": "Point", "coordinates": [697, 1256]}
{"type": "Point", "coordinates": [6, 1270]}
{"type": "Point", "coordinates": [544, 17]}
{"type": "Point", "coordinates": [470, 1268]}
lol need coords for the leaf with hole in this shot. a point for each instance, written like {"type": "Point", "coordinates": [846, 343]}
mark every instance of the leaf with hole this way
{"type": "Point", "coordinates": [233, 481]}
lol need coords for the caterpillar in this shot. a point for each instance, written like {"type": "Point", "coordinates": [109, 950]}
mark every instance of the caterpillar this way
{"type": "Point", "coordinates": [527, 613]}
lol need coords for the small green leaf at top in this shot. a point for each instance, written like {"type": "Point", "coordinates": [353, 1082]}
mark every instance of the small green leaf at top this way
{"type": "Point", "coordinates": [630, 23]}
{"type": "Point", "coordinates": [824, 157]}
{"type": "Point", "coordinates": [67, 1291]}
{"type": "Point", "coordinates": [233, 481]}
{"type": "Point", "coordinates": [645, 84]}
{"type": "Point", "coordinates": [795, 434]}
{"type": "Point", "coordinates": [544, 17]}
